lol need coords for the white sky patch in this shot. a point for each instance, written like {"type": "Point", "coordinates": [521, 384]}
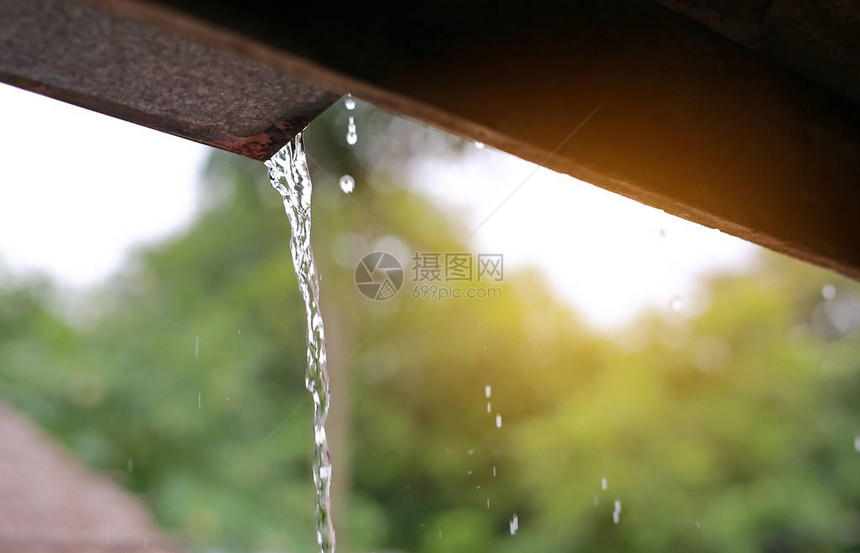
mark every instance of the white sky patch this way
{"type": "Point", "coordinates": [609, 256]}
{"type": "Point", "coordinates": [73, 206]}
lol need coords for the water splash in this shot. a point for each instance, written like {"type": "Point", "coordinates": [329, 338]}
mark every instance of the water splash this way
{"type": "Point", "coordinates": [349, 102]}
{"type": "Point", "coordinates": [616, 512]}
{"type": "Point", "coordinates": [498, 421]}
{"type": "Point", "coordinates": [347, 184]}
{"type": "Point", "coordinates": [288, 171]}
{"type": "Point", "coordinates": [351, 132]}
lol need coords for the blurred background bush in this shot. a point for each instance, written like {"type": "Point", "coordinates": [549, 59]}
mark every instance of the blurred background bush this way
{"type": "Point", "coordinates": [729, 427]}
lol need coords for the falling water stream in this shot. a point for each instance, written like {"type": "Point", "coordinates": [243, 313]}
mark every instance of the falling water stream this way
{"type": "Point", "coordinates": [288, 171]}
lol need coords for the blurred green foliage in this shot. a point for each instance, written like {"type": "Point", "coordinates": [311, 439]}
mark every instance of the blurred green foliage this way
{"type": "Point", "coordinates": [731, 429]}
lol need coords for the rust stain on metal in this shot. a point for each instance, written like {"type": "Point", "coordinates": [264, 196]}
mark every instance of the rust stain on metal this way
{"type": "Point", "coordinates": [264, 145]}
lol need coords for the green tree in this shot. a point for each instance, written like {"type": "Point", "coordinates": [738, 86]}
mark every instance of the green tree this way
{"type": "Point", "coordinates": [728, 429]}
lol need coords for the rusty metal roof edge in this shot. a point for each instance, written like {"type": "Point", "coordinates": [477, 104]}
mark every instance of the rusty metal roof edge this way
{"type": "Point", "coordinates": [326, 79]}
{"type": "Point", "coordinates": [333, 81]}
{"type": "Point", "coordinates": [260, 146]}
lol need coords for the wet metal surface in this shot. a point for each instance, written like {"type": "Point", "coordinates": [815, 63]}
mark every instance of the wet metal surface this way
{"type": "Point", "coordinates": [87, 56]}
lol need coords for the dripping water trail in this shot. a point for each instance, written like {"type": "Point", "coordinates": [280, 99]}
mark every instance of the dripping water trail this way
{"type": "Point", "coordinates": [288, 171]}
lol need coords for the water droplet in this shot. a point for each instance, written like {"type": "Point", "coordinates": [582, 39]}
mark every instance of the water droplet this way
{"type": "Point", "coordinates": [197, 347]}
{"type": "Point", "coordinates": [494, 471]}
{"type": "Point", "coordinates": [130, 465]}
{"type": "Point", "coordinates": [857, 443]}
{"type": "Point", "coordinates": [471, 452]}
{"type": "Point", "coordinates": [199, 399]}
{"type": "Point", "coordinates": [479, 145]}
{"type": "Point", "coordinates": [349, 102]}
{"type": "Point", "coordinates": [603, 483]}
{"type": "Point", "coordinates": [514, 524]}
{"type": "Point", "coordinates": [676, 303]}
{"type": "Point", "coordinates": [828, 291]}
{"type": "Point", "coordinates": [347, 184]}
{"type": "Point", "coordinates": [488, 391]}
{"type": "Point", "coordinates": [488, 503]}
{"type": "Point", "coordinates": [489, 408]}
{"type": "Point", "coordinates": [616, 514]}
{"type": "Point", "coordinates": [498, 421]}
{"type": "Point", "coordinates": [351, 132]}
